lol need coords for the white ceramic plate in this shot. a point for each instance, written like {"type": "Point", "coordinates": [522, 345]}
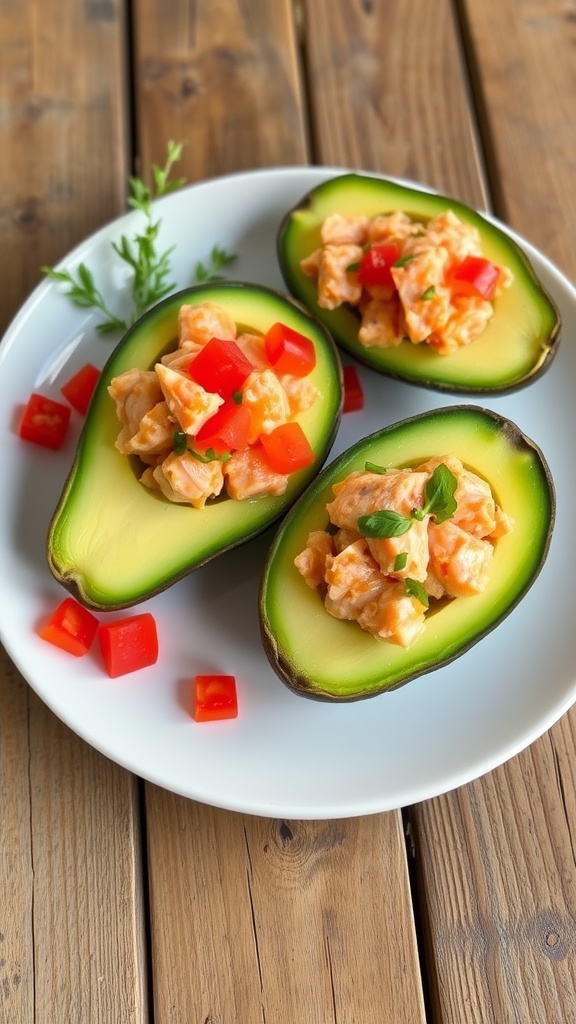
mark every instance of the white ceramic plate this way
{"type": "Point", "coordinates": [284, 756]}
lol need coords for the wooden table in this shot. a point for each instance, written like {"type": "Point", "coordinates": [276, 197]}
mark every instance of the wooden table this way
{"type": "Point", "coordinates": [119, 902]}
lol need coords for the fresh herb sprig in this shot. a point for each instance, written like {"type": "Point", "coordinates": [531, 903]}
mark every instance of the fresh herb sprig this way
{"type": "Point", "coordinates": [439, 501]}
{"type": "Point", "coordinates": [180, 446]}
{"type": "Point", "coordinates": [150, 268]}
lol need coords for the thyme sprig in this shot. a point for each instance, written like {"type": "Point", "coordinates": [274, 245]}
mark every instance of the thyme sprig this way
{"type": "Point", "coordinates": [150, 268]}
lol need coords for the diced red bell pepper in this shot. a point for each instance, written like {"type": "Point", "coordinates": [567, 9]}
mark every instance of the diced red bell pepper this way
{"type": "Point", "coordinates": [474, 276]}
{"type": "Point", "coordinates": [288, 351]}
{"type": "Point", "coordinates": [287, 448]}
{"type": "Point", "coordinates": [220, 367]}
{"type": "Point", "coordinates": [353, 393]}
{"type": "Point", "coordinates": [78, 390]}
{"type": "Point", "coordinates": [376, 263]}
{"type": "Point", "coordinates": [214, 698]}
{"type": "Point", "coordinates": [71, 627]}
{"type": "Point", "coordinates": [44, 421]}
{"type": "Point", "coordinates": [226, 431]}
{"type": "Point", "coordinates": [128, 644]}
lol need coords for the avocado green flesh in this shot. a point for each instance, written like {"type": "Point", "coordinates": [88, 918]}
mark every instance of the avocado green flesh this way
{"type": "Point", "coordinates": [112, 541]}
{"type": "Point", "coordinates": [326, 658]}
{"type": "Point", "coordinates": [515, 348]}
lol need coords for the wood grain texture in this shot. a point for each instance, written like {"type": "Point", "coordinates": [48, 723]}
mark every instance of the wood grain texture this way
{"type": "Point", "coordinates": [388, 92]}
{"type": "Point", "coordinates": [71, 937]}
{"type": "Point", "coordinates": [222, 77]}
{"type": "Point", "coordinates": [281, 921]}
{"type": "Point", "coordinates": [523, 54]}
{"type": "Point", "coordinates": [498, 858]}
{"type": "Point", "coordinates": [71, 912]}
{"type": "Point", "coordinates": [62, 97]}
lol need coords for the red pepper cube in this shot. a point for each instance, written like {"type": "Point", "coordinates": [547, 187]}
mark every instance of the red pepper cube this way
{"type": "Point", "coordinates": [353, 393]}
{"type": "Point", "coordinates": [376, 263]}
{"type": "Point", "coordinates": [128, 644]}
{"type": "Point", "coordinates": [214, 698]}
{"type": "Point", "coordinates": [226, 431]}
{"type": "Point", "coordinates": [220, 367]}
{"type": "Point", "coordinates": [287, 448]}
{"type": "Point", "coordinates": [44, 422]}
{"type": "Point", "coordinates": [78, 390]}
{"type": "Point", "coordinates": [474, 276]}
{"type": "Point", "coordinates": [70, 627]}
{"type": "Point", "coordinates": [288, 351]}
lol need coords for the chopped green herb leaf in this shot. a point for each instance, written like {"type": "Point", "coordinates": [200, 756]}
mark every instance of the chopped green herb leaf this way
{"type": "Point", "coordinates": [217, 260]}
{"type": "Point", "coordinates": [237, 398]}
{"type": "Point", "coordinates": [180, 447]}
{"type": "Point", "coordinates": [373, 467]}
{"type": "Point", "coordinates": [428, 294]}
{"type": "Point", "coordinates": [400, 561]}
{"type": "Point", "coordinates": [439, 500]}
{"type": "Point", "coordinates": [403, 260]}
{"type": "Point", "coordinates": [353, 267]}
{"type": "Point", "coordinates": [416, 589]}
{"type": "Point", "coordinates": [385, 523]}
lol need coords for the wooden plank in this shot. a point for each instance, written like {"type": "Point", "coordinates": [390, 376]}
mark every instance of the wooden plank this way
{"type": "Point", "coordinates": [500, 897]}
{"type": "Point", "coordinates": [281, 921]}
{"type": "Point", "coordinates": [526, 94]}
{"type": "Point", "coordinates": [71, 945]}
{"type": "Point", "coordinates": [63, 153]}
{"type": "Point", "coordinates": [388, 93]}
{"type": "Point", "coordinates": [221, 76]}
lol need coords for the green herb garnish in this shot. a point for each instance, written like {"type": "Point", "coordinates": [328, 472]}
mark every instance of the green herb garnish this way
{"type": "Point", "coordinates": [180, 446]}
{"type": "Point", "coordinates": [403, 260]}
{"type": "Point", "coordinates": [416, 589]}
{"type": "Point", "coordinates": [428, 294]}
{"type": "Point", "coordinates": [385, 523]}
{"type": "Point", "coordinates": [400, 561]}
{"type": "Point", "coordinates": [373, 467]}
{"type": "Point", "coordinates": [352, 267]}
{"type": "Point", "coordinates": [439, 502]}
{"type": "Point", "coordinates": [217, 260]}
{"type": "Point", "coordinates": [150, 268]}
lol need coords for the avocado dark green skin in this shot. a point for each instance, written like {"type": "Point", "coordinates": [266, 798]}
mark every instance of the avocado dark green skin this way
{"type": "Point", "coordinates": [329, 659]}
{"type": "Point", "coordinates": [112, 542]}
{"type": "Point", "coordinates": [515, 349]}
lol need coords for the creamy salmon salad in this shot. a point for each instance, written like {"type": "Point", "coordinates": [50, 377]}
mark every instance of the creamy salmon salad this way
{"type": "Point", "coordinates": [409, 281]}
{"type": "Point", "coordinates": [400, 541]}
{"type": "Point", "coordinates": [166, 416]}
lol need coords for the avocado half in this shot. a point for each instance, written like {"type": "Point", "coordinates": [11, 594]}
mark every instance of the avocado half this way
{"type": "Point", "coordinates": [330, 659]}
{"type": "Point", "coordinates": [516, 347]}
{"type": "Point", "coordinates": [112, 542]}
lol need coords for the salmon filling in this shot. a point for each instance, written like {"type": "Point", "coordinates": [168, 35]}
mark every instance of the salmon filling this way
{"type": "Point", "coordinates": [409, 281]}
{"type": "Point", "coordinates": [164, 414]}
{"type": "Point", "coordinates": [401, 540]}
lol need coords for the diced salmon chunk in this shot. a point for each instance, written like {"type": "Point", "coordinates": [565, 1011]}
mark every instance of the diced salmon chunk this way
{"type": "Point", "coordinates": [311, 562]}
{"type": "Point", "coordinates": [189, 480]}
{"type": "Point", "coordinates": [336, 282]}
{"type": "Point", "coordinates": [413, 544]}
{"type": "Point", "coordinates": [338, 229]}
{"type": "Point", "coordinates": [394, 615]}
{"type": "Point", "coordinates": [135, 392]}
{"type": "Point", "coordinates": [155, 433]}
{"type": "Point", "coordinates": [199, 323]}
{"type": "Point", "coordinates": [353, 578]}
{"type": "Point", "coordinates": [362, 493]}
{"type": "Point", "coordinates": [189, 404]}
{"type": "Point", "coordinates": [460, 561]}
{"type": "Point", "coordinates": [248, 475]}
{"type": "Point", "coordinates": [266, 399]}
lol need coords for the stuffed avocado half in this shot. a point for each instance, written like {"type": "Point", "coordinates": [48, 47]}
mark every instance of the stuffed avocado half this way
{"type": "Point", "coordinates": [327, 658]}
{"type": "Point", "coordinates": [114, 542]}
{"type": "Point", "coordinates": [515, 347]}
